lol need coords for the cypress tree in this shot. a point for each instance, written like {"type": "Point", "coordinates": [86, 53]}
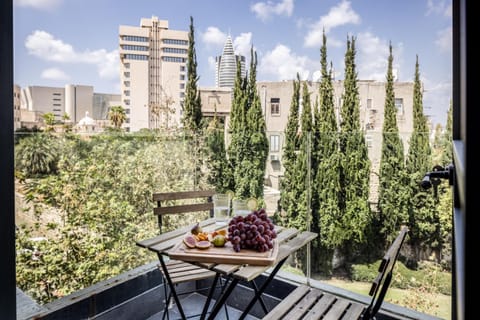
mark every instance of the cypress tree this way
{"type": "Point", "coordinates": [298, 214]}
{"type": "Point", "coordinates": [393, 193]}
{"type": "Point", "coordinates": [192, 105]}
{"type": "Point", "coordinates": [217, 155]}
{"type": "Point", "coordinates": [423, 216]}
{"type": "Point", "coordinates": [288, 197]}
{"type": "Point", "coordinates": [248, 148]}
{"type": "Point", "coordinates": [355, 164]}
{"type": "Point", "coordinates": [326, 179]}
{"type": "Point", "coordinates": [446, 141]}
{"type": "Point", "coordinates": [236, 128]}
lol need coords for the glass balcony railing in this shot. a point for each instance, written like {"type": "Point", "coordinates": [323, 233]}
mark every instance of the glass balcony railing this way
{"type": "Point", "coordinates": [83, 200]}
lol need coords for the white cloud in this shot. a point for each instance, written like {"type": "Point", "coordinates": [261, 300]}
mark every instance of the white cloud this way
{"type": "Point", "coordinates": [54, 74]}
{"type": "Point", "coordinates": [265, 10]}
{"type": "Point", "coordinates": [44, 46]}
{"type": "Point", "coordinates": [444, 40]}
{"type": "Point", "coordinates": [242, 44]}
{"type": "Point", "coordinates": [436, 99]}
{"type": "Point", "coordinates": [282, 64]}
{"type": "Point", "coordinates": [38, 4]}
{"type": "Point", "coordinates": [339, 15]}
{"type": "Point", "coordinates": [439, 7]}
{"type": "Point", "coordinates": [372, 56]}
{"type": "Point", "coordinates": [214, 36]}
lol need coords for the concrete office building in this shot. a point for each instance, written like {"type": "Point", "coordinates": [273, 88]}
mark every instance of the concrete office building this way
{"type": "Point", "coordinates": [73, 100]}
{"type": "Point", "coordinates": [76, 101]}
{"type": "Point", "coordinates": [153, 74]}
{"type": "Point", "coordinates": [226, 66]}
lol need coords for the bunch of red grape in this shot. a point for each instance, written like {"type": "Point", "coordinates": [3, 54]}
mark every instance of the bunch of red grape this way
{"type": "Point", "coordinates": [253, 231]}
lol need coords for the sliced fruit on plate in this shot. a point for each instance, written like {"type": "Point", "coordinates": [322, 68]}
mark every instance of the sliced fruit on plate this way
{"type": "Point", "coordinates": [203, 244]}
{"type": "Point", "coordinates": [190, 241]}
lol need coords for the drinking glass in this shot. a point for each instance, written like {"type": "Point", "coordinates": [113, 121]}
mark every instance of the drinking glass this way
{"type": "Point", "coordinates": [240, 207]}
{"type": "Point", "coordinates": [221, 208]}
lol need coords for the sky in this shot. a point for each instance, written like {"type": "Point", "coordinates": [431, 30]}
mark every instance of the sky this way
{"type": "Point", "coordinates": [59, 42]}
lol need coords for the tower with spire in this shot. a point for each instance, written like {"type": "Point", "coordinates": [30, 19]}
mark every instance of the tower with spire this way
{"type": "Point", "coordinates": [226, 66]}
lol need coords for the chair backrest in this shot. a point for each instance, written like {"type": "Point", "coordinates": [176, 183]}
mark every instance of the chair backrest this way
{"type": "Point", "coordinates": [382, 280]}
{"type": "Point", "coordinates": [173, 203]}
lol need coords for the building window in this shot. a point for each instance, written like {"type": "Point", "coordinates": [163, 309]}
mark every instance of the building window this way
{"type": "Point", "coordinates": [182, 77]}
{"type": "Point", "coordinates": [129, 56]}
{"type": "Point", "coordinates": [275, 106]}
{"type": "Point", "coordinates": [174, 59]}
{"type": "Point", "coordinates": [368, 140]}
{"type": "Point", "coordinates": [369, 103]}
{"type": "Point", "coordinates": [182, 85]}
{"type": "Point", "coordinates": [126, 92]}
{"type": "Point", "coordinates": [135, 38]}
{"type": "Point", "coordinates": [275, 143]}
{"type": "Point", "coordinates": [182, 68]}
{"type": "Point", "coordinates": [399, 105]}
{"type": "Point", "coordinates": [175, 50]}
{"type": "Point", "coordinates": [176, 41]}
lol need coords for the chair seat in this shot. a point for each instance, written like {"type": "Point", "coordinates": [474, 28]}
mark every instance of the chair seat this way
{"type": "Point", "coordinates": [180, 271]}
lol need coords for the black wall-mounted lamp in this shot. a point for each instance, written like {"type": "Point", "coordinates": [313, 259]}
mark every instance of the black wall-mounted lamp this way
{"type": "Point", "coordinates": [433, 177]}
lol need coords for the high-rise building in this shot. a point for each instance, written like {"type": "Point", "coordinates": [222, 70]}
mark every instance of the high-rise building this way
{"type": "Point", "coordinates": [153, 74]}
{"type": "Point", "coordinates": [226, 66]}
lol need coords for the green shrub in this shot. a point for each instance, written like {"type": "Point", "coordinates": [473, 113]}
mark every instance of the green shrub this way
{"type": "Point", "coordinates": [428, 275]}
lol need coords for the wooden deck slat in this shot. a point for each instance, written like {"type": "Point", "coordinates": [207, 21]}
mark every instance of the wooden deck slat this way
{"type": "Point", "coordinates": [303, 306]}
{"type": "Point", "coordinates": [328, 306]}
{"type": "Point", "coordinates": [173, 234]}
{"type": "Point", "coordinates": [286, 304]}
{"type": "Point", "coordinates": [354, 311]}
{"type": "Point", "coordinates": [322, 305]}
{"type": "Point", "coordinates": [337, 310]}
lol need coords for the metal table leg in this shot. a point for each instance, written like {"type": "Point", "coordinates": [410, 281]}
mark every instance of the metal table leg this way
{"type": "Point", "coordinates": [171, 285]}
{"type": "Point", "coordinates": [210, 295]}
{"type": "Point", "coordinates": [259, 293]}
{"type": "Point", "coordinates": [219, 303]}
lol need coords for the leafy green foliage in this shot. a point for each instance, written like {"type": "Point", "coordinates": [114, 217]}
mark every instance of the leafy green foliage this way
{"type": "Point", "coordinates": [327, 212]}
{"type": "Point", "coordinates": [101, 196]}
{"type": "Point", "coordinates": [192, 105]}
{"type": "Point", "coordinates": [288, 190]}
{"type": "Point", "coordinates": [355, 164]}
{"type": "Point", "coordinates": [393, 193]}
{"type": "Point", "coordinates": [217, 156]}
{"type": "Point", "coordinates": [37, 155]}
{"type": "Point", "coordinates": [404, 278]}
{"type": "Point", "coordinates": [248, 148]}
{"type": "Point", "coordinates": [117, 115]}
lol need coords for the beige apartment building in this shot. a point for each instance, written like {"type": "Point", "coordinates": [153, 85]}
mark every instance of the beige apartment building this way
{"type": "Point", "coordinates": [153, 74]}
{"type": "Point", "coordinates": [276, 99]}
{"type": "Point", "coordinates": [16, 107]}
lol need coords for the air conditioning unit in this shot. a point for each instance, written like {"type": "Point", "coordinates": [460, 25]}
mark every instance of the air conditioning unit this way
{"type": "Point", "coordinates": [274, 157]}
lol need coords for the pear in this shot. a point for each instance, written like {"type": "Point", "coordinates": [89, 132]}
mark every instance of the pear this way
{"type": "Point", "coordinates": [196, 229]}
